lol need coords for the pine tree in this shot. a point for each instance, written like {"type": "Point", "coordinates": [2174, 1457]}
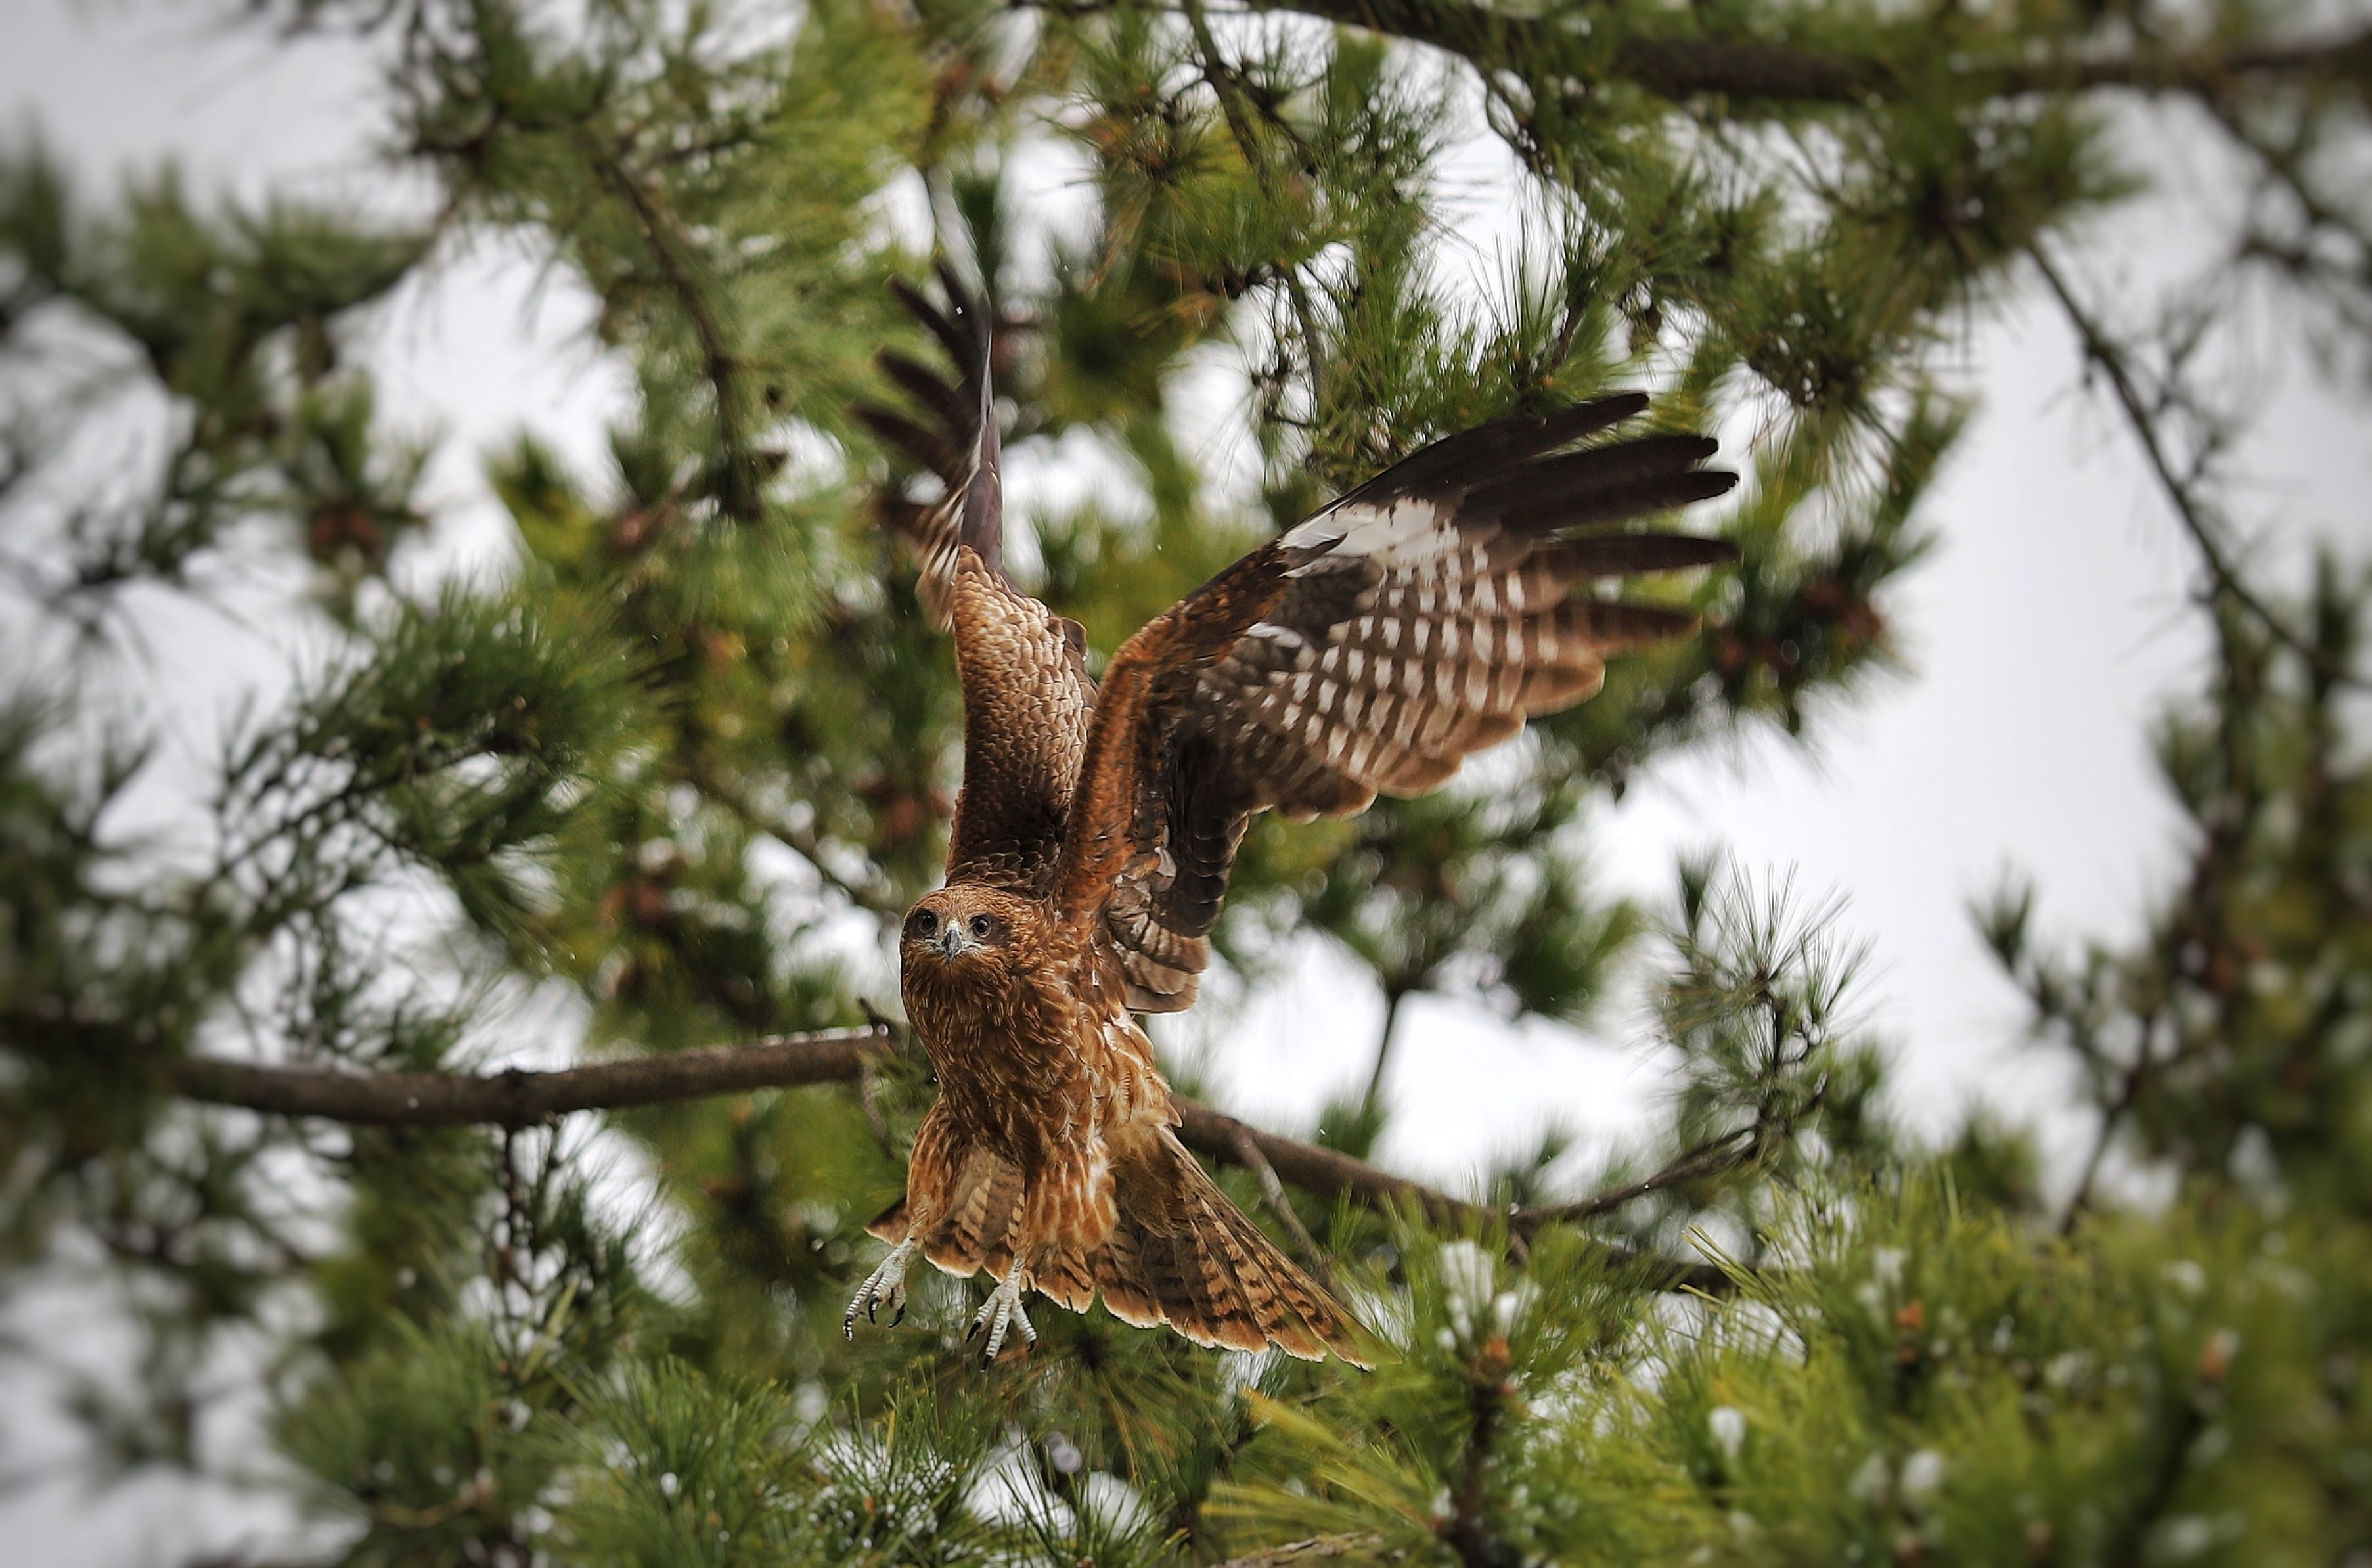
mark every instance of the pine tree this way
{"type": "Point", "coordinates": [701, 734]}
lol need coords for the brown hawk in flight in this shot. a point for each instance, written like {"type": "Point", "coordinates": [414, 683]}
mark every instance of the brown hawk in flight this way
{"type": "Point", "coordinates": [1368, 649]}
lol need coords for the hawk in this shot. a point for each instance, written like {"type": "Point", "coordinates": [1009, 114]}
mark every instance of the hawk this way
{"type": "Point", "coordinates": [1368, 649]}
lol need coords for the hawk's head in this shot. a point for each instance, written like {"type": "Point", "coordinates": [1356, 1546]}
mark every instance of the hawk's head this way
{"type": "Point", "coordinates": [963, 929]}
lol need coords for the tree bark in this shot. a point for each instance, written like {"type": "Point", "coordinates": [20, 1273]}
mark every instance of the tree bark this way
{"type": "Point", "coordinates": [518, 1098]}
{"type": "Point", "coordinates": [1753, 70]}
{"type": "Point", "coordinates": [521, 1098]}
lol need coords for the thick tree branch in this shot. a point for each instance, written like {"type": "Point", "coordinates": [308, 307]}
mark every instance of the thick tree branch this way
{"type": "Point", "coordinates": [1750, 69]}
{"type": "Point", "coordinates": [2209, 71]}
{"type": "Point", "coordinates": [1675, 67]}
{"type": "Point", "coordinates": [519, 1097]}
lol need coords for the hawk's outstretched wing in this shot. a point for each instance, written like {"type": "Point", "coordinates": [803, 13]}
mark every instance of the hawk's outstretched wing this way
{"type": "Point", "coordinates": [1368, 649]}
{"type": "Point", "coordinates": [1025, 679]}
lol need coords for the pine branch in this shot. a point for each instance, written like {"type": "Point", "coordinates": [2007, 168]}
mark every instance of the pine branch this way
{"type": "Point", "coordinates": [1227, 84]}
{"type": "Point", "coordinates": [1332, 1174]}
{"type": "Point", "coordinates": [737, 487]}
{"type": "Point", "coordinates": [1305, 1247]}
{"type": "Point", "coordinates": [875, 898]}
{"type": "Point", "coordinates": [1750, 70]}
{"type": "Point", "coordinates": [519, 1096]}
{"type": "Point", "coordinates": [2176, 1445]}
{"type": "Point", "coordinates": [1373, 1099]}
{"type": "Point", "coordinates": [2207, 73]}
{"type": "Point", "coordinates": [1669, 66]}
{"type": "Point", "coordinates": [2113, 1116]}
{"type": "Point", "coordinates": [1710, 1157]}
{"type": "Point", "coordinates": [2182, 489]}
{"type": "Point", "coordinates": [1467, 1531]}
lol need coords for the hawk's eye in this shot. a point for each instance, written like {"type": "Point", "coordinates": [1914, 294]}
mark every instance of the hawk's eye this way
{"type": "Point", "coordinates": [922, 924]}
{"type": "Point", "coordinates": [982, 927]}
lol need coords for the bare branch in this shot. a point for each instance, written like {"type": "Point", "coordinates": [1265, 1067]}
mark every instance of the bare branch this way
{"type": "Point", "coordinates": [1709, 1158]}
{"type": "Point", "coordinates": [737, 485]}
{"type": "Point", "coordinates": [1373, 1099]}
{"type": "Point", "coordinates": [875, 898]}
{"type": "Point", "coordinates": [518, 1098]}
{"type": "Point", "coordinates": [2182, 489]}
{"type": "Point", "coordinates": [2112, 1116]}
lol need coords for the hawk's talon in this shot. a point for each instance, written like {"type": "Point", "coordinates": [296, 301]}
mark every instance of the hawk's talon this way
{"type": "Point", "coordinates": [1001, 1311]}
{"type": "Point", "coordinates": [886, 1283]}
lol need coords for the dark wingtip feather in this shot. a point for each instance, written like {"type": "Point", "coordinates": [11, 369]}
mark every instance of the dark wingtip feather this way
{"type": "Point", "coordinates": [1619, 503]}
{"type": "Point", "coordinates": [934, 450]}
{"type": "Point", "coordinates": [926, 387]}
{"type": "Point", "coordinates": [965, 451]}
{"type": "Point", "coordinates": [1538, 488]}
{"type": "Point", "coordinates": [983, 503]}
{"type": "Point", "coordinates": [970, 318]}
{"type": "Point", "coordinates": [1473, 455]}
{"type": "Point", "coordinates": [1620, 554]}
{"type": "Point", "coordinates": [1614, 626]}
{"type": "Point", "coordinates": [1587, 419]}
{"type": "Point", "coordinates": [934, 320]}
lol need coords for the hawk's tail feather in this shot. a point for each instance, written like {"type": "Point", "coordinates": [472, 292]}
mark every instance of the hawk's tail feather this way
{"type": "Point", "coordinates": [1180, 1254]}
{"type": "Point", "coordinates": [1183, 1254]}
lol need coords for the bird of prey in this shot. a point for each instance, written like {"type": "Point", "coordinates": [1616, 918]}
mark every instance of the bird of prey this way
{"type": "Point", "coordinates": [1368, 649]}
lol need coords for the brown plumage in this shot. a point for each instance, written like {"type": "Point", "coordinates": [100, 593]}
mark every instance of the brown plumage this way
{"type": "Point", "coordinates": [1366, 650]}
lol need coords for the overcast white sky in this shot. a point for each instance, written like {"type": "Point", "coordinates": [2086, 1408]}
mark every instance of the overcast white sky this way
{"type": "Point", "coordinates": [2044, 632]}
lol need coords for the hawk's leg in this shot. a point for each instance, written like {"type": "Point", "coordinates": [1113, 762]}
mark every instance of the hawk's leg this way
{"type": "Point", "coordinates": [1002, 1310]}
{"type": "Point", "coordinates": [886, 1285]}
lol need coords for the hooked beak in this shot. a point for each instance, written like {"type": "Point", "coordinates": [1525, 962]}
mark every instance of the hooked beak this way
{"type": "Point", "coordinates": [951, 940]}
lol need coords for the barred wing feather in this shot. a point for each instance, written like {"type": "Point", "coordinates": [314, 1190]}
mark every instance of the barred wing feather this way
{"type": "Point", "coordinates": [1367, 650]}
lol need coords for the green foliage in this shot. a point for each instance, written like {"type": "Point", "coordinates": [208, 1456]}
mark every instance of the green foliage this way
{"type": "Point", "coordinates": [1917, 1382]}
{"type": "Point", "coordinates": [2232, 1039]}
{"type": "Point", "coordinates": [680, 771]}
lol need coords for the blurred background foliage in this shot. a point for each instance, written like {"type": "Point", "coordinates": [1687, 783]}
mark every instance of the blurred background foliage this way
{"type": "Point", "coordinates": [680, 766]}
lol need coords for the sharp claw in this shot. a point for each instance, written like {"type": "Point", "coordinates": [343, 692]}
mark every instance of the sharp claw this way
{"type": "Point", "coordinates": [973, 1332]}
{"type": "Point", "coordinates": [1002, 1313]}
{"type": "Point", "coordinates": [888, 1280]}
{"type": "Point", "coordinates": [900, 1316]}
